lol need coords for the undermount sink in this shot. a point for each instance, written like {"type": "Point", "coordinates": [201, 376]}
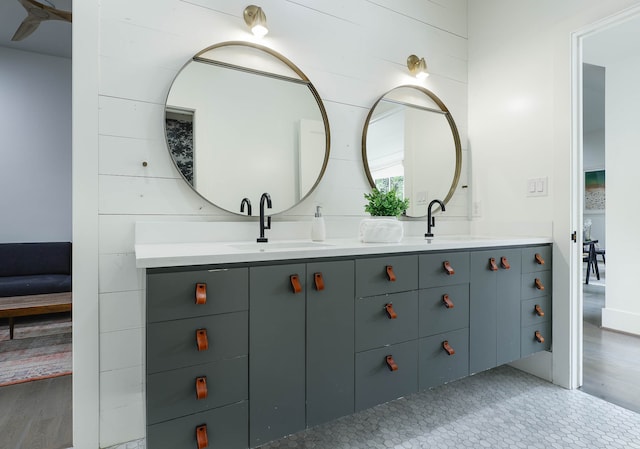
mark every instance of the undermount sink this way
{"type": "Point", "coordinates": [282, 246]}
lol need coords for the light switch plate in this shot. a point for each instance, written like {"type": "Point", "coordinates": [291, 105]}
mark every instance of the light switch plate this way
{"type": "Point", "coordinates": [537, 186]}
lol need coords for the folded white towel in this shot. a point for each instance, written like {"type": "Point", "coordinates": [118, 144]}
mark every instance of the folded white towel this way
{"type": "Point", "coordinates": [381, 230]}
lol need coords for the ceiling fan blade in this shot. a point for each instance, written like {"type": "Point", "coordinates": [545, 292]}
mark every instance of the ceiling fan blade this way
{"type": "Point", "coordinates": [25, 29]}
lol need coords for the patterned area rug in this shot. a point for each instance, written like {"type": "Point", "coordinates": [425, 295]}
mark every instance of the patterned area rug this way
{"type": "Point", "coordinates": [40, 349]}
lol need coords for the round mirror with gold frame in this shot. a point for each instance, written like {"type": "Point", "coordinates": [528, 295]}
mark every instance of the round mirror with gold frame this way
{"type": "Point", "coordinates": [242, 120]}
{"type": "Point", "coordinates": [410, 142]}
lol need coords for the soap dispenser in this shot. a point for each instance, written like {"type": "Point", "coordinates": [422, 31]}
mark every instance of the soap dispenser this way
{"type": "Point", "coordinates": [318, 231]}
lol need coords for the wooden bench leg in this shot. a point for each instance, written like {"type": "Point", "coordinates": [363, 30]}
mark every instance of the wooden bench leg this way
{"type": "Point", "coordinates": [11, 323]}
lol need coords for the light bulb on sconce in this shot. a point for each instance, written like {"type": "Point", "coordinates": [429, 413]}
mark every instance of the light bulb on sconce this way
{"type": "Point", "coordinates": [417, 67]}
{"type": "Point", "coordinates": [256, 20]}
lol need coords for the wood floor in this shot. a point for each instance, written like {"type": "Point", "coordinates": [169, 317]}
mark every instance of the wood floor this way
{"type": "Point", "coordinates": [611, 359]}
{"type": "Point", "coordinates": [36, 415]}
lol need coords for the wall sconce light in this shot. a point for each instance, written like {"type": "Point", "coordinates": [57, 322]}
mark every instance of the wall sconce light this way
{"type": "Point", "coordinates": [255, 18]}
{"type": "Point", "coordinates": [417, 67]}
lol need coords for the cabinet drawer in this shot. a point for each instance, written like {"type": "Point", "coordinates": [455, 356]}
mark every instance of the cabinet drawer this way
{"type": "Point", "coordinates": [173, 344]}
{"type": "Point", "coordinates": [535, 285]}
{"type": "Point", "coordinates": [172, 394]}
{"type": "Point", "coordinates": [227, 428]}
{"type": "Point", "coordinates": [436, 317]}
{"type": "Point", "coordinates": [373, 278]}
{"type": "Point", "coordinates": [375, 328]}
{"type": "Point", "coordinates": [433, 273]}
{"type": "Point", "coordinates": [376, 383]}
{"type": "Point", "coordinates": [436, 365]}
{"type": "Point", "coordinates": [530, 263]}
{"type": "Point", "coordinates": [529, 344]}
{"type": "Point", "coordinates": [172, 296]}
{"type": "Point", "coordinates": [530, 315]}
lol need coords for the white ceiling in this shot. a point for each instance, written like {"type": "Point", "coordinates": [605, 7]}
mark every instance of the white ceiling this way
{"type": "Point", "coordinates": [53, 37]}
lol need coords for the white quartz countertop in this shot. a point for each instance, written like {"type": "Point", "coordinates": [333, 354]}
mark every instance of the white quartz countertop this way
{"type": "Point", "coordinates": [154, 255]}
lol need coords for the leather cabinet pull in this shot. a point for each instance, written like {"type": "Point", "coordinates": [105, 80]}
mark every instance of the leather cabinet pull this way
{"type": "Point", "coordinates": [319, 281]}
{"type": "Point", "coordinates": [539, 259]}
{"type": "Point", "coordinates": [448, 268]}
{"type": "Point", "coordinates": [202, 340]}
{"type": "Point", "coordinates": [390, 274]}
{"type": "Point", "coordinates": [539, 285]}
{"type": "Point", "coordinates": [201, 293]}
{"type": "Point", "coordinates": [295, 283]}
{"type": "Point", "coordinates": [505, 263]}
{"type": "Point", "coordinates": [201, 388]}
{"type": "Point", "coordinates": [390, 312]}
{"type": "Point", "coordinates": [447, 347]}
{"type": "Point", "coordinates": [539, 337]}
{"type": "Point", "coordinates": [201, 436]}
{"type": "Point", "coordinates": [391, 363]}
{"type": "Point", "coordinates": [539, 310]}
{"type": "Point", "coordinates": [447, 301]}
{"type": "Point", "coordinates": [492, 264]}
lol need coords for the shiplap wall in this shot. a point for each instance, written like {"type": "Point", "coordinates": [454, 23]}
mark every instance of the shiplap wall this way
{"type": "Point", "coordinates": [353, 51]}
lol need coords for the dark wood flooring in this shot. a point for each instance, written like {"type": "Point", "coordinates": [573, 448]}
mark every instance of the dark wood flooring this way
{"type": "Point", "coordinates": [611, 360]}
{"type": "Point", "coordinates": [36, 415]}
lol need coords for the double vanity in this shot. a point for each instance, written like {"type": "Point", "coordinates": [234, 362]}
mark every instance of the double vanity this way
{"type": "Point", "coordinates": [250, 342]}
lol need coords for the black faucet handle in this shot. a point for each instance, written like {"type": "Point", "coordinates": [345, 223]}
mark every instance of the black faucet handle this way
{"type": "Point", "coordinates": [268, 225]}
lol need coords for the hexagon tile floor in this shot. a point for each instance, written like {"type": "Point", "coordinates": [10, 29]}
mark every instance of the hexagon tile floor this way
{"type": "Point", "coordinates": [500, 408]}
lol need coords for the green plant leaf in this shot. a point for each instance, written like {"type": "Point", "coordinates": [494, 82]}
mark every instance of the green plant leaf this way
{"type": "Point", "coordinates": [387, 204]}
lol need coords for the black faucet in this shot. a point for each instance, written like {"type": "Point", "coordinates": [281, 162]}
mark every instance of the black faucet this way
{"type": "Point", "coordinates": [431, 221]}
{"type": "Point", "coordinates": [265, 197]}
{"type": "Point", "coordinates": [248, 203]}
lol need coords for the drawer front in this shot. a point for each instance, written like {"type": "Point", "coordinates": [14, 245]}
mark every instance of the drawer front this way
{"type": "Point", "coordinates": [227, 428]}
{"type": "Point", "coordinates": [531, 283]}
{"type": "Point", "coordinates": [531, 264]}
{"type": "Point", "coordinates": [376, 383]}
{"type": "Point", "coordinates": [529, 344]}
{"type": "Point", "coordinates": [433, 273]}
{"type": "Point", "coordinates": [375, 328]}
{"type": "Point", "coordinates": [436, 317]}
{"type": "Point", "coordinates": [172, 394]}
{"type": "Point", "coordinates": [372, 277]}
{"type": "Point", "coordinates": [436, 365]}
{"type": "Point", "coordinates": [173, 344]}
{"type": "Point", "coordinates": [530, 315]}
{"type": "Point", "coordinates": [172, 296]}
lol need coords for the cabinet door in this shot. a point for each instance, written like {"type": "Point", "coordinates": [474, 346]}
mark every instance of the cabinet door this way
{"type": "Point", "coordinates": [276, 352]}
{"type": "Point", "coordinates": [509, 308]}
{"type": "Point", "coordinates": [483, 313]}
{"type": "Point", "coordinates": [330, 341]}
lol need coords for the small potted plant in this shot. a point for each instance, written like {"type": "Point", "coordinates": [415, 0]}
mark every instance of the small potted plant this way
{"type": "Point", "coordinates": [385, 208]}
{"type": "Point", "coordinates": [385, 204]}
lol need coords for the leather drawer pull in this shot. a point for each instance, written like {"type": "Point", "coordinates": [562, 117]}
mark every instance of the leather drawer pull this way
{"type": "Point", "coordinates": [201, 388]}
{"type": "Point", "coordinates": [505, 263]}
{"type": "Point", "coordinates": [539, 310]}
{"type": "Point", "coordinates": [539, 259]}
{"type": "Point", "coordinates": [390, 274]}
{"type": "Point", "coordinates": [448, 348]}
{"type": "Point", "coordinates": [319, 281]}
{"type": "Point", "coordinates": [391, 364]}
{"type": "Point", "coordinates": [295, 283]}
{"type": "Point", "coordinates": [448, 268]}
{"type": "Point", "coordinates": [539, 285]}
{"type": "Point", "coordinates": [447, 301]}
{"type": "Point", "coordinates": [492, 264]}
{"type": "Point", "coordinates": [201, 436]}
{"type": "Point", "coordinates": [202, 340]}
{"type": "Point", "coordinates": [539, 337]}
{"type": "Point", "coordinates": [201, 293]}
{"type": "Point", "coordinates": [390, 312]}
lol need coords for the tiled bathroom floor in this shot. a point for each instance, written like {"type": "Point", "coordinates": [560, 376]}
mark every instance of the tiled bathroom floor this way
{"type": "Point", "coordinates": [500, 408]}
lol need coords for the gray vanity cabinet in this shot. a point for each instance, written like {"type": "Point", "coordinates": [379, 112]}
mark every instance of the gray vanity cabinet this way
{"type": "Point", "coordinates": [494, 328]}
{"type": "Point", "coordinates": [536, 307]}
{"type": "Point", "coordinates": [301, 346]}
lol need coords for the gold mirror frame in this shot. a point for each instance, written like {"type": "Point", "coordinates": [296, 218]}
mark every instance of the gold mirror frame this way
{"type": "Point", "coordinates": [303, 79]}
{"type": "Point", "coordinates": [452, 125]}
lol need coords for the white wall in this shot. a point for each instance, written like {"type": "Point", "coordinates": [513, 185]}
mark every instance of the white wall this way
{"type": "Point", "coordinates": [520, 64]}
{"type": "Point", "coordinates": [361, 57]}
{"type": "Point", "coordinates": [35, 174]}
